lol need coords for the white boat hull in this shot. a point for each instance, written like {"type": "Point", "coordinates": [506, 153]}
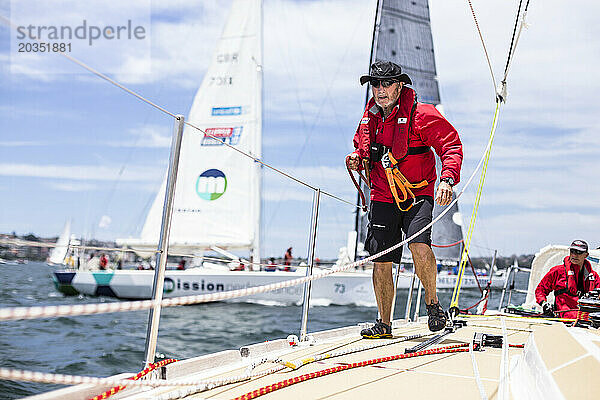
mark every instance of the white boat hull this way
{"type": "Point", "coordinates": [340, 288]}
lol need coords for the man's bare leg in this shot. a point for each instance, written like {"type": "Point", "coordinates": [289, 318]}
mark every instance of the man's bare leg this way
{"type": "Point", "coordinates": [426, 269]}
{"type": "Point", "coordinates": [383, 284]}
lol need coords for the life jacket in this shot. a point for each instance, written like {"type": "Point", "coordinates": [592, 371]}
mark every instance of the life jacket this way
{"type": "Point", "coordinates": [402, 123]}
{"type": "Point", "coordinates": [572, 286]}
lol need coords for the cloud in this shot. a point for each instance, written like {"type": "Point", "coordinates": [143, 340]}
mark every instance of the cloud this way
{"type": "Point", "coordinates": [72, 186]}
{"type": "Point", "coordinates": [154, 136]}
{"type": "Point", "coordinates": [83, 172]}
{"type": "Point", "coordinates": [23, 143]}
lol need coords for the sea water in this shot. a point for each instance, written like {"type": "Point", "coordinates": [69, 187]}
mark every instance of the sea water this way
{"type": "Point", "coordinates": [108, 344]}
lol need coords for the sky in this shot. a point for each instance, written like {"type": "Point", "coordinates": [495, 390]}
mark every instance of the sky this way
{"type": "Point", "coordinates": [74, 147]}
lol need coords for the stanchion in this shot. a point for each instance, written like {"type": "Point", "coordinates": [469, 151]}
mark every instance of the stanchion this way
{"type": "Point", "coordinates": [163, 244]}
{"type": "Point", "coordinates": [311, 257]}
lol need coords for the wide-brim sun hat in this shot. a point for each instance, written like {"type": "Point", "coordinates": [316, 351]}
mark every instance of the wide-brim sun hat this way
{"type": "Point", "coordinates": [385, 70]}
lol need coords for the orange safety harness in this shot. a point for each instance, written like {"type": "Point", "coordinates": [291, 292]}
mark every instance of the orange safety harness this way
{"type": "Point", "coordinates": [395, 178]}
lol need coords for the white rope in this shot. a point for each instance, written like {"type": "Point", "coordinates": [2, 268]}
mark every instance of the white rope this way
{"type": "Point", "coordinates": [62, 379]}
{"type": "Point", "coordinates": [503, 391]}
{"type": "Point", "coordinates": [476, 372]}
{"type": "Point", "coordinates": [16, 313]}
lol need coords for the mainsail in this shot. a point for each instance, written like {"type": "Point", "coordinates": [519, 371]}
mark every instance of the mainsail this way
{"type": "Point", "coordinates": [402, 34]}
{"type": "Point", "coordinates": [217, 197]}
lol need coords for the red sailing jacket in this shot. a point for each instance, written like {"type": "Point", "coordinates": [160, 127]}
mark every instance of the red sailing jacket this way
{"type": "Point", "coordinates": [565, 276]}
{"type": "Point", "coordinates": [410, 124]}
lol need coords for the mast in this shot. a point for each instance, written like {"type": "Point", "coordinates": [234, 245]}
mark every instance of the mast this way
{"type": "Point", "coordinates": [357, 217]}
{"type": "Point", "coordinates": [258, 167]}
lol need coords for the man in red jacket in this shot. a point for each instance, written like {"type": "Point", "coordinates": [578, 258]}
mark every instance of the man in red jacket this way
{"type": "Point", "coordinates": [569, 281]}
{"type": "Point", "coordinates": [393, 144]}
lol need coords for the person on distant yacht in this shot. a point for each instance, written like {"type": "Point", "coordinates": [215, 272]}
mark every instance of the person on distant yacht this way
{"type": "Point", "coordinates": [569, 280]}
{"type": "Point", "coordinates": [393, 145]}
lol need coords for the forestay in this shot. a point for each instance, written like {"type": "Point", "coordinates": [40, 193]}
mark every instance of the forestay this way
{"type": "Point", "coordinates": [217, 198]}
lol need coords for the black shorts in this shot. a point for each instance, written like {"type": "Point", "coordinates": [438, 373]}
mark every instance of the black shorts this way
{"type": "Point", "coordinates": [387, 223]}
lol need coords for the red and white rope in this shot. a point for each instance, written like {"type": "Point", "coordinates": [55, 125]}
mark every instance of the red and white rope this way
{"type": "Point", "coordinates": [62, 379]}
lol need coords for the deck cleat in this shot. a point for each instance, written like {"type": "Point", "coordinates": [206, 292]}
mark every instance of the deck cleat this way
{"type": "Point", "coordinates": [481, 340]}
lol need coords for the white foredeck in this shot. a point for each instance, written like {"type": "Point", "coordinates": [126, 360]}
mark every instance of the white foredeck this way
{"type": "Point", "coordinates": [557, 362]}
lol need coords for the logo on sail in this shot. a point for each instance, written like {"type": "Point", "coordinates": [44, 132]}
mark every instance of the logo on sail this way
{"type": "Point", "coordinates": [219, 111]}
{"type": "Point", "coordinates": [211, 184]}
{"type": "Point", "coordinates": [222, 135]}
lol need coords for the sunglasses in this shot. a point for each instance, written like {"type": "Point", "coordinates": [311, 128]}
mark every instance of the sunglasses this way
{"type": "Point", "coordinates": [577, 252]}
{"type": "Point", "coordinates": [385, 83]}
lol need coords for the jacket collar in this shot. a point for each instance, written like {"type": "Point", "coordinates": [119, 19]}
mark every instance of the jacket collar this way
{"type": "Point", "coordinates": [586, 267]}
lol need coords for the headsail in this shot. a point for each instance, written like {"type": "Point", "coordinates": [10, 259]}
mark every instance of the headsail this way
{"type": "Point", "coordinates": [403, 35]}
{"type": "Point", "coordinates": [217, 197]}
{"type": "Point", "coordinates": [58, 254]}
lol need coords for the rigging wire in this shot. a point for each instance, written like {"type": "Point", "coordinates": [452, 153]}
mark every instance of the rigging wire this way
{"type": "Point", "coordinates": [487, 56]}
{"type": "Point", "coordinates": [500, 99]}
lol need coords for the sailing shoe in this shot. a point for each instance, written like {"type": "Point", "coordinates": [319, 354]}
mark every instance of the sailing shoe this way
{"type": "Point", "coordinates": [437, 317]}
{"type": "Point", "coordinates": [377, 331]}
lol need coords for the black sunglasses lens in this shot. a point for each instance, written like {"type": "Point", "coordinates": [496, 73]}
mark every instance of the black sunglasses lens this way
{"type": "Point", "coordinates": [576, 251]}
{"type": "Point", "coordinates": [386, 84]}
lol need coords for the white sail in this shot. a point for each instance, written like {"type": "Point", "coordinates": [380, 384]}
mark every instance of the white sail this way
{"type": "Point", "coordinates": [217, 197]}
{"type": "Point", "coordinates": [58, 254]}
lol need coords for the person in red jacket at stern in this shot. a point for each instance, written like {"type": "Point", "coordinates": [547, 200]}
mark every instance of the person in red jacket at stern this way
{"type": "Point", "coordinates": [393, 144]}
{"type": "Point", "coordinates": [569, 280]}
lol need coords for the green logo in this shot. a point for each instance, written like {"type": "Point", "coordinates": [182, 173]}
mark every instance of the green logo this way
{"type": "Point", "coordinates": [169, 285]}
{"type": "Point", "coordinates": [211, 184]}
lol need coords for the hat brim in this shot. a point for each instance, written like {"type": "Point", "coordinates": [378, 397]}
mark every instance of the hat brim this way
{"type": "Point", "coordinates": [580, 248]}
{"type": "Point", "coordinates": [402, 78]}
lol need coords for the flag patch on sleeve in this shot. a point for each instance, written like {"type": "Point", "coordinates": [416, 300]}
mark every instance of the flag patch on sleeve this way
{"type": "Point", "coordinates": [402, 120]}
{"type": "Point", "coordinates": [365, 120]}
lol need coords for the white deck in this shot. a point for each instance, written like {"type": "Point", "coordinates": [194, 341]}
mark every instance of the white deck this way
{"type": "Point", "coordinates": [557, 363]}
